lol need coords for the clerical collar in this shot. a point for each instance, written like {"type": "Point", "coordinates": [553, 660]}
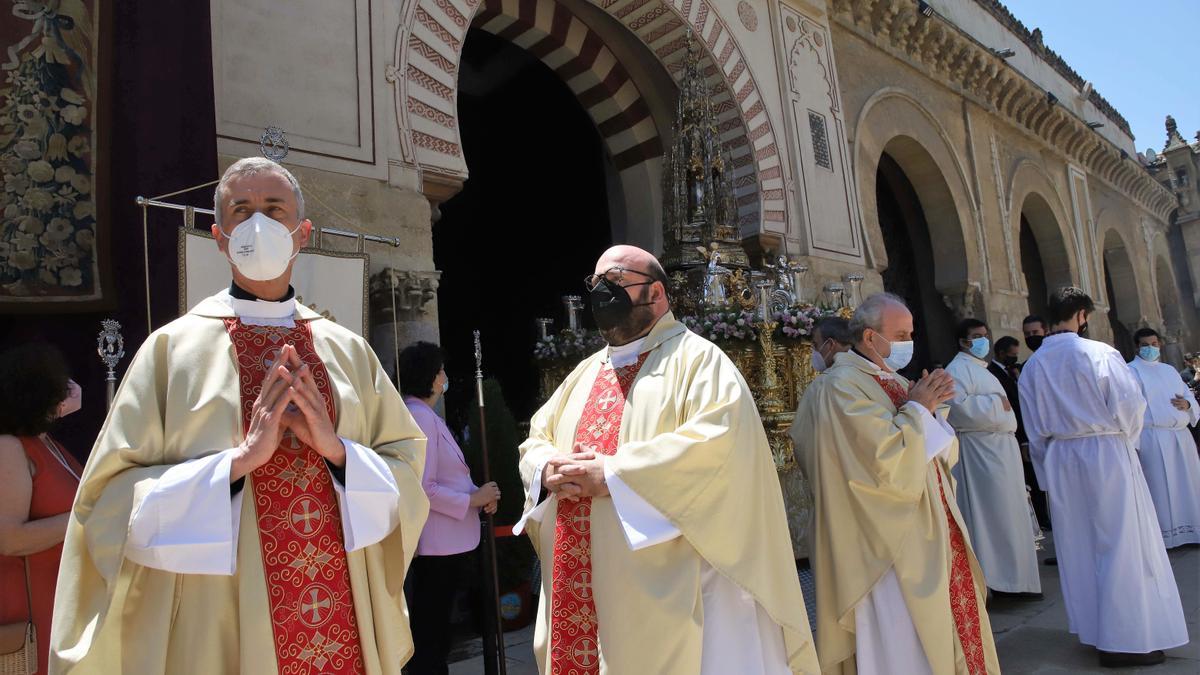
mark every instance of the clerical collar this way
{"type": "Point", "coordinates": [625, 355]}
{"type": "Point", "coordinates": [238, 293]}
{"type": "Point", "coordinates": [247, 305]}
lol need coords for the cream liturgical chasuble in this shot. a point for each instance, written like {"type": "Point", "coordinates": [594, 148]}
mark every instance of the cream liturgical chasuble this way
{"type": "Point", "coordinates": [686, 567]}
{"type": "Point", "coordinates": [898, 587]}
{"type": "Point", "coordinates": [168, 568]}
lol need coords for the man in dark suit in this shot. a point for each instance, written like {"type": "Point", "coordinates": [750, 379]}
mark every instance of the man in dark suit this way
{"type": "Point", "coordinates": [1005, 368]}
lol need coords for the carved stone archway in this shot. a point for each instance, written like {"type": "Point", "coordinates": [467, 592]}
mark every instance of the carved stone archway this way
{"type": "Point", "coordinates": [424, 76]}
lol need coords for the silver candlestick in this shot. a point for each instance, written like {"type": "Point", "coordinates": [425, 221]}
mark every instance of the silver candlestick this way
{"type": "Point", "coordinates": [544, 328]}
{"type": "Point", "coordinates": [110, 346]}
{"type": "Point", "coordinates": [573, 303]}
{"type": "Point", "coordinates": [836, 294]}
{"type": "Point", "coordinates": [855, 294]}
{"type": "Point", "coordinates": [765, 287]}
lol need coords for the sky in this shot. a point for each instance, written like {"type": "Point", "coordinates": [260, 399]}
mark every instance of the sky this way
{"type": "Point", "coordinates": [1141, 55]}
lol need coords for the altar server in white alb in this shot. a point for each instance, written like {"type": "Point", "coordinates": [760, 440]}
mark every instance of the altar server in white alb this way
{"type": "Point", "coordinates": [991, 480]}
{"type": "Point", "coordinates": [1166, 448]}
{"type": "Point", "coordinates": [1083, 414]}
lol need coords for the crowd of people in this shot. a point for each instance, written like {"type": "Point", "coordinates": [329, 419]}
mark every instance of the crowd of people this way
{"type": "Point", "coordinates": [263, 499]}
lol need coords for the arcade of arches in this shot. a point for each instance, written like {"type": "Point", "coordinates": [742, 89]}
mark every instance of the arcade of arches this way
{"type": "Point", "coordinates": [507, 142]}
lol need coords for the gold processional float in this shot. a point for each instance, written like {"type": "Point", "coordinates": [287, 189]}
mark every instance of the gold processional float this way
{"type": "Point", "coordinates": [758, 314]}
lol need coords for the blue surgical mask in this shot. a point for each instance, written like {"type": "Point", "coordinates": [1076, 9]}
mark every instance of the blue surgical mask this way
{"type": "Point", "coordinates": [1149, 353]}
{"type": "Point", "coordinates": [980, 346]}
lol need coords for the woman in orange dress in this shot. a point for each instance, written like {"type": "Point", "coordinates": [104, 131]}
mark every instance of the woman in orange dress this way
{"type": "Point", "coordinates": [39, 481]}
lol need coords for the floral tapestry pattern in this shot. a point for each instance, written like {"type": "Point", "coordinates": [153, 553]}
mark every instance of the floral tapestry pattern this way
{"type": "Point", "coordinates": [48, 219]}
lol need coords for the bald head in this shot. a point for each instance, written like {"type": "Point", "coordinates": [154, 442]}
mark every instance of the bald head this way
{"type": "Point", "coordinates": [643, 278]}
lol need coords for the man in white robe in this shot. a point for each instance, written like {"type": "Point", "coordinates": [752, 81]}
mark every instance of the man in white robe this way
{"type": "Point", "coordinates": [254, 498]}
{"type": "Point", "coordinates": [654, 504]}
{"type": "Point", "coordinates": [1083, 414]}
{"type": "Point", "coordinates": [1166, 448]}
{"type": "Point", "coordinates": [990, 480]}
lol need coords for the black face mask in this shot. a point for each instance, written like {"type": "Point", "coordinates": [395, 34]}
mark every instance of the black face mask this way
{"type": "Point", "coordinates": [1034, 341]}
{"type": "Point", "coordinates": [1083, 329]}
{"type": "Point", "coordinates": [1009, 361]}
{"type": "Point", "coordinates": [611, 304]}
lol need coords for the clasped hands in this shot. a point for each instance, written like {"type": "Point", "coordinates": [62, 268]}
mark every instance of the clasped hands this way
{"type": "Point", "coordinates": [580, 474]}
{"type": "Point", "coordinates": [1180, 402]}
{"type": "Point", "coordinates": [289, 400]}
{"type": "Point", "coordinates": [932, 389]}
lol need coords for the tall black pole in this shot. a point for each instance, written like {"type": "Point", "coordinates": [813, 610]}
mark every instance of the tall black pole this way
{"type": "Point", "coordinates": [489, 532]}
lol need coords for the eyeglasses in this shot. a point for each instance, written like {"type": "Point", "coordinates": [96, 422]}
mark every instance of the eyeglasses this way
{"type": "Point", "coordinates": [615, 275]}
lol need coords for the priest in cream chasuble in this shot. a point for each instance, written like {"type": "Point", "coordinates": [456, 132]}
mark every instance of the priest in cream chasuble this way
{"type": "Point", "coordinates": [654, 504]}
{"type": "Point", "coordinates": [254, 497]}
{"type": "Point", "coordinates": [899, 589]}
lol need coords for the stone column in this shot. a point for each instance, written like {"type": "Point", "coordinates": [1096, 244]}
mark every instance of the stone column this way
{"type": "Point", "coordinates": [411, 293]}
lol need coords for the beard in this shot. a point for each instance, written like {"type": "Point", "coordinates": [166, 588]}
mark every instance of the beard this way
{"type": "Point", "coordinates": [639, 322]}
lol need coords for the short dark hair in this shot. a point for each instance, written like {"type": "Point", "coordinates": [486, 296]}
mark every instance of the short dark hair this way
{"type": "Point", "coordinates": [1006, 343]}
{"type": "Point", "coordinates": [835, 328]}
{"type": "Point", "coordinates": [418, 366]}
{"type": "Point", "coordinates": [33, 382]}
{"type": "Point", "coordinates": [1145, 332]}
{"type": "Point", "coordinates": [965, 326]}
{"type": "Point", "coordinates": [1034, 318]}
{"type": "Point", "coordinates": [1067, 301]}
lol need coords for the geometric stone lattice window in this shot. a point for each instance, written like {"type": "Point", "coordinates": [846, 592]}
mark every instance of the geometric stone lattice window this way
{"type": "Point", "coordinates": [820, 140]}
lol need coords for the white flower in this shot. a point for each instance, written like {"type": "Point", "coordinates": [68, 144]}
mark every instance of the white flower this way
{"type": "Point", "coordinates": [71, 96]}
{"type": "Point", "coordinates": [27, 149]}
{"type": "Point", "coordinates": [12, 165]}
{"type": "Point", "coordinates": [40, 171]}
{"type": "Point", "coordinates": [36, 128]}
{"type": "Point", "coordinates": [81, 183]}
{"type": "Point", "coordinates": [83, 210]}
{"type": "Point", "coordinates": [78, 145]}
{"type": "Point", "coordinates": [85, 238]}
{"type": "Point", "coordinates": [74, 114]}
{"type": "Point", "coordinates": [60, 228]}
{"type": "Point", "coordinates": [47, 277]}
{"type": "Point", "coordinates": [56, 148]}
{"type": "Point", "coordinates": [64, 173]}
{"type": "Point", "coordinates": [17, 184]}
{"type": "Point", "coordinates": [38, 200]}
{"type": "Point", "coordinates": [31, 225]}
{"type": "Point", "coordinates": [22, 260]}
{"type": "Point", "coordinates": [71, 276]}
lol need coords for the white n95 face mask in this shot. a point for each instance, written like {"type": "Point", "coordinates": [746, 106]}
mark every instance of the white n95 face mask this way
{"type": "Point", "coordinates": [261, 247]}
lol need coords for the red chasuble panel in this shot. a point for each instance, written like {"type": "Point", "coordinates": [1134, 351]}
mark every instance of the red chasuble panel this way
{"type": "Point", "coordinates": [963, 604]}
{"type": "Point", "coordinates": [574, 641]}
{"type": "Point", "coordinates": [299, 524]}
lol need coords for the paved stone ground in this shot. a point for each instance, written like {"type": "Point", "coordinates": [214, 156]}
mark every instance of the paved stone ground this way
{"type": "Point", "coordinates": [1031, 637]}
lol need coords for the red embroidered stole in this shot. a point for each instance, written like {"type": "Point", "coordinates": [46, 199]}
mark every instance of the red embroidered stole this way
{"type": "Point", "coordinates": [299, 524]}
{"type": "Point", "coordinates": [574, 641]}
{"type": "Point", "coordinates": [963, 604]}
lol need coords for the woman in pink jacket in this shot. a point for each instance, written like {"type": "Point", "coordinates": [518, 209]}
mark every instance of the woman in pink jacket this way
{"type": "Point", "coordinates": [453, 529]}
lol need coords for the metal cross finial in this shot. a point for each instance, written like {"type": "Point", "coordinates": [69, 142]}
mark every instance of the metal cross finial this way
{"type": "Point", "coordinates": [274, 144]}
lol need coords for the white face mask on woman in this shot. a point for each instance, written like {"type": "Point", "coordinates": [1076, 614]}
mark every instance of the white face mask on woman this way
{"type": "Point", "coordinates": [261, 247]}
